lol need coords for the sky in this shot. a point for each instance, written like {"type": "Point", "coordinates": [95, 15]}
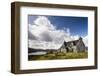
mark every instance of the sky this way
{"type": "Point", "coordinates": [77, 25]}
{"type": "Point", "coordinates": [51, 31]}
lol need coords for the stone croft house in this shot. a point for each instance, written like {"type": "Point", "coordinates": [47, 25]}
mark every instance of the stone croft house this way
{"type": "Point", "coordinates": [73, 46]}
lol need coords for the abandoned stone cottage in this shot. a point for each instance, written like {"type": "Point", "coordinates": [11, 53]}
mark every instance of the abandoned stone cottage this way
{"type": "Point", "coordinates": [73, 46]}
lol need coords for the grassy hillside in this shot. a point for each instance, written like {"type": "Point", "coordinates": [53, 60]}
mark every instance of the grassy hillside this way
{"type": "Point", "coordinates": [59, 55]}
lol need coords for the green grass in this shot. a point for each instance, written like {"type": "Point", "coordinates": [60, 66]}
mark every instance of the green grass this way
{"type": "Point", "coordinates": [60, 55]}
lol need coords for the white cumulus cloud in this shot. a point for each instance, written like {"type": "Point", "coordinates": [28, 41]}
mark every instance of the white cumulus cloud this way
{"type": "Point", "coordinates": [43, 30]}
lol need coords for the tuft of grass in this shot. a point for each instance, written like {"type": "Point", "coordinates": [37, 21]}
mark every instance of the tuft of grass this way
{"type": "Point", "coordinates": [59, 55]}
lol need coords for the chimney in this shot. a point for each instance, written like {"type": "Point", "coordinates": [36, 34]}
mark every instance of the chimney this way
{"type": "Point", "coordinates": [80, 38]}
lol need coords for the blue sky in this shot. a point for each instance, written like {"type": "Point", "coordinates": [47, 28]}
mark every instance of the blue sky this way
{"type": "Point", "coordinates": [77, 25]}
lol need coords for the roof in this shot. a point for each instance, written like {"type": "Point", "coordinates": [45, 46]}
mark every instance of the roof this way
{"type": "Point", "coordinates": [74, 42]}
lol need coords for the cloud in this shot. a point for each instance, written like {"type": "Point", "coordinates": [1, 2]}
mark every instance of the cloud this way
{"type": "Point", "coordinates": [42, 32]}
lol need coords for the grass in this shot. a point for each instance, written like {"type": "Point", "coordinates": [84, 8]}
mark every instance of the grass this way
{"type": "Point", "coordinates": [59, 55]}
